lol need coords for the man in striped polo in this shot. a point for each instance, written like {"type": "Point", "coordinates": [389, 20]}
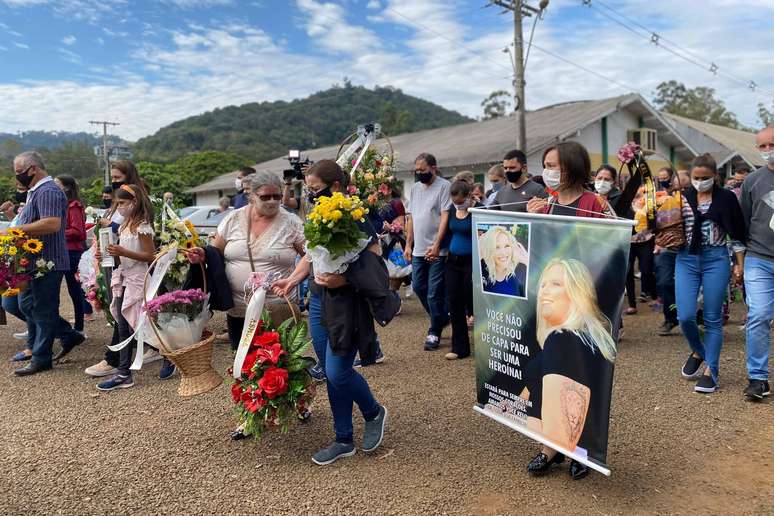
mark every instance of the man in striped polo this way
{"type": "Point", "coordinates": [44, 217]}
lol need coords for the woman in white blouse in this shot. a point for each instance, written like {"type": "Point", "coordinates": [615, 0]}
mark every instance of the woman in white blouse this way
{"type": "Point", "coordinates": [260, 237]}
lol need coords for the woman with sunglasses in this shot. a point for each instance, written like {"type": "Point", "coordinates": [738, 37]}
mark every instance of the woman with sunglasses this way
{"type": "Point", "coordinates": [259, 237]}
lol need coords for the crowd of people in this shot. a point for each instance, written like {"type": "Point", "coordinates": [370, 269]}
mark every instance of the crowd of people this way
{"type": "Point", "coordinates": [727, 240]}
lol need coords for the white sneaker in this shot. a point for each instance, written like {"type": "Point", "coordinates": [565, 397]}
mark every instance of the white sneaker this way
{"type": "Point", "coordinates": [151, 356]}
{"type": "Point", "coordinates": [22, 335]}
{"type": "Point", "coordinates": [101, 369]}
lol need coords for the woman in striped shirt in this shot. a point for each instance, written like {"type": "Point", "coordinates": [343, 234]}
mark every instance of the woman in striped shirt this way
{"type": "Point", "coordinates": [712, 218]}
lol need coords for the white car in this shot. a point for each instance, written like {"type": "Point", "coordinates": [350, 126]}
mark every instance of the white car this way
{"type": "Point", "coordinates": [206, 219]}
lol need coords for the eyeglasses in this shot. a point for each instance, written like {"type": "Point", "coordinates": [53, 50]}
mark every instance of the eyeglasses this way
{"type": "Point", "coordinates": [269, 197]}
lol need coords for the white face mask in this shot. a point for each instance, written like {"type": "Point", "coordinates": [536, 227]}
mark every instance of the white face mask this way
{"type": "Point", "coordinates": [703, 186]}
{"type": "Point", "coordinates": [552, 178]}
{"type": "Point", "coordinates": [238, 184]}
{"type": "Point", "coordinates": [464, 206]}
{"type": "Point", "coordinates": [768, 157]}
{"type": "Point", "coordinates": [125, 211]}
{"type": "Point", "coordinates": [267, 208]}
{"type": "Point", "coordinates": [603, 186]}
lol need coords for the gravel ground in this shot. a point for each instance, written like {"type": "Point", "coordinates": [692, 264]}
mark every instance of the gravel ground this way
{"type": "Point", "coordinates": [68, 449]}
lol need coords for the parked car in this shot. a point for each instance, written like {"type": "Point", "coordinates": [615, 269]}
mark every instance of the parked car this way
{"type": "Point", "coordinates": [207, 218]}
{"type": "Point", "coordinates": [184, 212]}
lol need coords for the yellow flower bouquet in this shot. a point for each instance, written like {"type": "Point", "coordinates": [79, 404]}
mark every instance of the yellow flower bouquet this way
{"type": "Point", "coordinates": [333, 238]}
{"type": "Point", "coordinates": [18, 264]}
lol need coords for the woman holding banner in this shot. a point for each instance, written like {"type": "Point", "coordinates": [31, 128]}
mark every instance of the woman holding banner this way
{"type": "Point", "coordinates": [569, 315]}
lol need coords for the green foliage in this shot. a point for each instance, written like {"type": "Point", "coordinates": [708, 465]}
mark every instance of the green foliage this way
{"type": "Point", "coordinates": [766, 116]}
{"type": "Point", "coordinates": [91, 191]}
{"type": "Point", "coordinates": [496, 104]}
{"type": "Point", "coordinates": [268, 129]}
{"type": "Point", "coordinates": [696, 103]}
{"type": "Point", "coordinates": [74, 159]}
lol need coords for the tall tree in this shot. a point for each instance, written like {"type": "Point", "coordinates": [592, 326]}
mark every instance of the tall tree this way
{"type": "Point", "coordinates": [766, 116]}
{"type": "Point", "coordinates": [496, 104]}
{"type": "Point", "coordinates": [696, 103]}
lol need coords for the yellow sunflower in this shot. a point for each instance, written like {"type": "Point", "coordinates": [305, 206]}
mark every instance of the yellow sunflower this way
{"type": "Point", "coordinates": [16, 232]}
{"type": "Point", "coordinates": [33, 246]}
{"type": "Point", "coordinates": [189, 244]}
{"type": "Point", "coordinates": [11, 292]}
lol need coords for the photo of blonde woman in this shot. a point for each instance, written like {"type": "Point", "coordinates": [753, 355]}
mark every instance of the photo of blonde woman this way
{"type": "Point", "coordinates": [566, 384]}
{"type": "Point", "coordinates": [504, 259]}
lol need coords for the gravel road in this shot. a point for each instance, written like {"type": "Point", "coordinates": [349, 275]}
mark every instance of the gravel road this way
{"type": "Point", "coordinates": [68, 449]}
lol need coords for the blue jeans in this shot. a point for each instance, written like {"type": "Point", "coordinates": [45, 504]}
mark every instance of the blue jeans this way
{"type": "Point", "coordinates": [427, 280]}
{"type": "Point", "coordinates": [345, 386]}
{"type": "Point", "coordinates": [40, 304]}
{"type": "Point", "coordinates": [759, 285]}
{"type": "Point", "coordinates": [665, 281]}
{"type": "Point", "coordinates": [711, 271]}
{"type": "Point", "coordinates": [317, 330]}
{"type": "Point", "coordinates": [11, 305]}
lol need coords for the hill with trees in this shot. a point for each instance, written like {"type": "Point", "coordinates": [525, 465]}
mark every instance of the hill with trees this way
{"type": "Point", "coordinates": [261, 131]}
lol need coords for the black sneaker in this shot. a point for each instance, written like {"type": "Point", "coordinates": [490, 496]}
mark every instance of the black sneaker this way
{"type": "Point", "coordinates": [757, 390]}
{"type": "Point", "coordinates": [67, 346]}
{"type": "Point", "coordinates": [693, 368]}
{"type": "Point", "coordinates": [431, 342]}
{"type": "Point", "coordinates": [666, 328]}
{"type": "Point", "coordinates": [706, 385]}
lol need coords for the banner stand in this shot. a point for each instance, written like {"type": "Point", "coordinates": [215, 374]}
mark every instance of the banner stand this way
{"type": "Point", "coordinates": [537, 437]}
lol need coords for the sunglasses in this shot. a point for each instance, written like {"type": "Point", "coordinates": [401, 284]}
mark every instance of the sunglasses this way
{"type": "Point", "coordinates": [270, 197]}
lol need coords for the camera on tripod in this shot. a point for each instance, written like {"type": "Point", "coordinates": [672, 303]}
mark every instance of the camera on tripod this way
{"type": "Point", "coordinates": [295, 173]}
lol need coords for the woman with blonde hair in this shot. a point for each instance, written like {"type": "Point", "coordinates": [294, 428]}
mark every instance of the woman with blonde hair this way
{"type": "Point", "coordinates": [504, 262]}
{"type": "Point", "coordinates": [567, 384]}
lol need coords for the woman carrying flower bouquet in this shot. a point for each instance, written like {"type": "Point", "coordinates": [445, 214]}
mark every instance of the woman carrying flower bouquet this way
{"type": "Point", "coordinates": [341, 323]}
{"type": "Point", "coordinates": [136, 252]}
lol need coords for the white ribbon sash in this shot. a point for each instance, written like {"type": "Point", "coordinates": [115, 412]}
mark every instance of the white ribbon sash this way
{"type": "Point", "coordinates": [154, 282]}
{"type": "Point", "coordinates": [365, 137]}
{"type": "Point", "coordinates": [252, 318]}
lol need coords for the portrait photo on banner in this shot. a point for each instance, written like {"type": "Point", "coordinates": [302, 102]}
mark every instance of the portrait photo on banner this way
{"type": "Point", "coordinates": [504, 252]}
{"type": "Point", "coordinates": [545, 359]}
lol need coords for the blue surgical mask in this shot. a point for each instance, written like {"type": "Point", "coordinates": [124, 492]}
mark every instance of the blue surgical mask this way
{"type": "Point", "coordinates": [496, 186]}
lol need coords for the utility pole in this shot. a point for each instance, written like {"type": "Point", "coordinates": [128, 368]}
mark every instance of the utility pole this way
{"type": "Point", "coordinates": [105, 146]}
{"type": "Point", "coordinates": [520, 9]}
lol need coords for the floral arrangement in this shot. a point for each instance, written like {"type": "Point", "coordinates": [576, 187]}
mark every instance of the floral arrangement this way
{"type": "Point", "coordinates": [170, 230]}
{"type": "Point", "coordinates": [373, 180]}
{"type": "Point", "coordinates": [628, 153]}
{"type": "Point", "coordinates": [274, 387]}
{"type": "Point", "coordinates": [180, 316]}
{"type": "Point", "coordinates": [96, 289]}
{"type": "Point", "coordinates": [17, 263]}
{"type": "Point", "coordinates": [333, 238]}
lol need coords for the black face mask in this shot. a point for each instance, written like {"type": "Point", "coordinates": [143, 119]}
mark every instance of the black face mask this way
{"type": "Point", "coordinates": [325, 192]}
{"type": "Point", "coordinates": [25, 178]}
{"type": "Point", "coordinates": [665, 184]}
{"type": "Point", "coordinates": [512, 177]}
{"type": "Point", "coordinates": [117, 184]}
{"type": "Point", "coordinates": [107, 203]}
{"type": "Point", "coordinates": [21, 197]}
{"type": "Point", "coordinates": [423, 177]}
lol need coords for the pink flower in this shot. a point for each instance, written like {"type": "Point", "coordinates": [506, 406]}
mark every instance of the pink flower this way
{"type": "Point", "coordinates": [384, 189]}
{"type": "Point", "coordinates": [627, 153]}
{"type": "Point", "coordinates": [351, 190]}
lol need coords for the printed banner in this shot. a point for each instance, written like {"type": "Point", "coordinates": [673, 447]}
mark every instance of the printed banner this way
{"type": "Point", "coordinates": [547, 296]}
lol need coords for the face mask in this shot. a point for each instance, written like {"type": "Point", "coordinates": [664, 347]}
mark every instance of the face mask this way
{"type": "Point", "coordinates": [25, 179]}
{"type": "Point", "coordinates": [325, 192]}
{"type": "Point", "coordinates": [768, 157]}
{"type": "Point", "coordinates": [21, 197]}
{"type": "Point", "coordinates": [267, 208]}
{"type": "Point", "coordinates": [117, 184]}
{"type": "Point", "coordinates": [496, 186]}
{"type": "Point", "coordinates": [125, 211]}
{"type": "Point", "coordinates": [602, 186]}
{"type": "Point", "coordinates": [464, 206]}
{"type": "Point", "coordinates": [665, 184]}
{"type": "Point", "coordinates": [512, 177]}
{"type": "Point", "coordinates": [238, 184]}
{"type": "Point", "coordinates": [106, 203]}
{"type": "Point", "coordinates": [424, 177]}
{"type": "Point", "coordinates": [703, 186]}
{"type": "Point", "coordinates": [552, 178]}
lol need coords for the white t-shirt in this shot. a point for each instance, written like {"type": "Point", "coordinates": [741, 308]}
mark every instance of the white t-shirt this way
{"type": "Point", "coordinates": [425, 206]}
{"type": "Point", "coordinates": [273, 251]}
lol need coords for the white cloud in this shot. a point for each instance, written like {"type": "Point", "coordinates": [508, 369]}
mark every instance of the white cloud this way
{"type": "Point", "coordinates": [23, 46]}
{"type": "Point", "coordinates": [373, 4]}
{"type": "Point", "coordinates": [69, 40]}
{"type": "Point", "coordinates": [70, 56]}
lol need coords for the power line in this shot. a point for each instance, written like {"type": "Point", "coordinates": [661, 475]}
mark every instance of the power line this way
{"type": "Point", "coordinates": [677, 50]}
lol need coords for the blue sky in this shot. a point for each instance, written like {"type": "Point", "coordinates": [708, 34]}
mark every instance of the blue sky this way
{"type": "Point", "coordinates": [146, 64]}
